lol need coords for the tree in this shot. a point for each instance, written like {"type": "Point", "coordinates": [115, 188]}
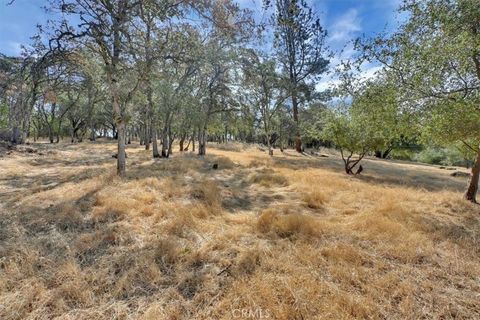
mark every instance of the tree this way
{"type": "Point", "coordinates": [377, 99]}
{"type": "Point", "coordinates": [105, 29]}
{"type": "Point", "coordinates": [300, 48]}
{"type": "Point", "coordinates": [435, 60]}
{"type": "Point", "coordinates": [367, 118]}
{"type": "Point", "coordinates": [26, 77]}
{"type": "Point", "coordinates": [352, 133]}
{"type": "Point", "coordinates": [265, 92]}
{"type": "Point", "coordinates": [215, 85]}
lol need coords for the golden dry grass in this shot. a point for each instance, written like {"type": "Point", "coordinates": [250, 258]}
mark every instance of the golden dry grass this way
{"type": "Point", "coordinates": [288, 237]}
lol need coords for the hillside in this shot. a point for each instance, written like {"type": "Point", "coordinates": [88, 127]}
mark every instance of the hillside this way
{"type": "Point", "coordinates": [287, 237]}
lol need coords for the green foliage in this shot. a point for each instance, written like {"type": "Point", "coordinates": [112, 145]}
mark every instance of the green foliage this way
{"type": "Point", "coordinates": [351, 132]}
{"type": "Point", "coordinates": [434, 58]}
{"type": "Point", "coordinates": [371, 119]}
{"type": "Point", "coordinates": [449, 156]}
{"type": "Point", "coordinates": [3, 116]}
{"type": "Point", "coordinates": [313, 122]}
{"type": "Point", "coordinates": [450, 122]}
{"type": "Point", "coordinates": [299, 40]}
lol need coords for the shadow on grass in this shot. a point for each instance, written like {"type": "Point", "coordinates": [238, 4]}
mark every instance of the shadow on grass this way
{"type": "Point", "coordinates": [375, 172]}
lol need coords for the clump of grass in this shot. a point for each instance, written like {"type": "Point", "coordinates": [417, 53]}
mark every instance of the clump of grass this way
{"type": "Point", "coordinates": [166, 254]}
{"type": "Point", "coordinates": [209, 195]}
{"type": "Point", "coordinates": [190, 285]}
{"type": "Point", "coordinates": [72, 287]}
{"type": "Point", "coordinates": [290, 225]}
{"type": "Point", "coordinates": [68, 216]}
{"type": "Point", "coordinates": [315, 199]}
{"type": "Point", "coordinates": [266, 220]}
{"type": "Point", "coordinates": [248, 262]}
{"type": "Point", "coordinates": [343, 254]}
{"type": "Point", "coordinates": [110, 206]}
{"type": "Point", "coordinates": [136, 275]}
{"type": "Point", "coordinates": [180, 223]}
{"type": "Point", "coordinates": [256, 163]}
{"type": "Point", "coordinates": [147, 211]}
{"type": "Point", "coordinates": [151, 183]}
{"type": "Point", "coordinates": [268, 178]}
{"type": "Point", "coordinates": [202, 211]}
{"type": "Point", "coordinates": [171, 189]}
{"type": "Point", "coordinates": [89, 246]}
{"type": "Point", "coordinates": [223, 163]}
{"type": "Point", "coordinates": [145, 197]}
{"type": "Point", "coordinates": [397, 241]}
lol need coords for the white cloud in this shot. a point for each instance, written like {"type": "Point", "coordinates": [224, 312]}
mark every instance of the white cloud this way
{"type": "Point", "coordinates": [341, 34]}
{"type": "Point", "coordinates": [327, 83]}
{"type": "Point", "coordinates": [345, 27]}
{"type": "Point", "coordinates": [369, 71]}
{"type": "Point", "coordinates": [330, 81]}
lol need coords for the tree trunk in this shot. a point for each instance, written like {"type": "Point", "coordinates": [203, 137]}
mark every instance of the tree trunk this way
{"type": "Point", "coordinates": [471, 194]}
{"type": "Point", "coordinates": [182, 141]}
{"type": "Point", "coordinates": [50, 134]}
{"type": "Point", "coordinates": [188, 145]}
{"type": "Point", "coordinates": [202, 142]}
{"type": "Point", "coordinates": [383, 154]}
{"type": "Point", "coordinates": [269, 145]}
{"type": "Point", "coordinates": [165, 144]}
{"type": "Point", "coordinates": [142, 137]}
{"type": "Point", "coordinates": [147, 138]}
{"type": "Point", "coordinates": [16, 137]}
{"type": "Point", "coordinates": [348, 167]}
{"type": "Point", "coordinates": [298, 138]}
{"type": "Point", "coordinates": [118, 116]}
{"type": "Point", "coordinates": [170, 146]}
{"type": "Point", "coordinates": [59, 129]}
{"type": "Point", "coordinates": [154, 143]}
{"type": "Point", "coordinates": [121, 165]}
{"type": "Point", "coordinates": [93, 134]}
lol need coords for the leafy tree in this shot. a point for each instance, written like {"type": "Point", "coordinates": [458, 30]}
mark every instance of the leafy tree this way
{"type": "Point", "coordinates": [301, 50]}
{"type": "Point", "coordinates": [435, 60]}
{"type": "Point", "coordinates": [368, 118]}
{"type": "Point", "coordinates": [265, 91]}
{"type": "Point", "coordinates": [352, 133]}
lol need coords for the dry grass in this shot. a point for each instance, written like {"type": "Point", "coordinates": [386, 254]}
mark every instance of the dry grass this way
{"type": "Point", "coordinates": [288, 237]}
{"type": "Point", "coordinates": [286, 225]}
{"type": "Point", "coordinates": [315, 199]}
{"type": "Point", "coordinates": [268, 178]}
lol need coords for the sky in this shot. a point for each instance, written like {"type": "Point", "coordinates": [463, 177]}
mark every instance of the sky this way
{"type": "Point", "coordinates": [344, 21]}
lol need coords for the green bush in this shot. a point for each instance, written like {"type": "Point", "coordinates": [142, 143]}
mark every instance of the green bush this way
{"type": "Point", "coordinates": [442, 156]}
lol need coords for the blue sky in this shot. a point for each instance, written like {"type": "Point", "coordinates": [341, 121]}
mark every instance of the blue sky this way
{"type": "Point", "coordinates": [344, 20]}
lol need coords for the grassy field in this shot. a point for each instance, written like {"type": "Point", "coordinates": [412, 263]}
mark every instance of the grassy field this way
{"type": "Point", "coordinates": [288, 237]}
